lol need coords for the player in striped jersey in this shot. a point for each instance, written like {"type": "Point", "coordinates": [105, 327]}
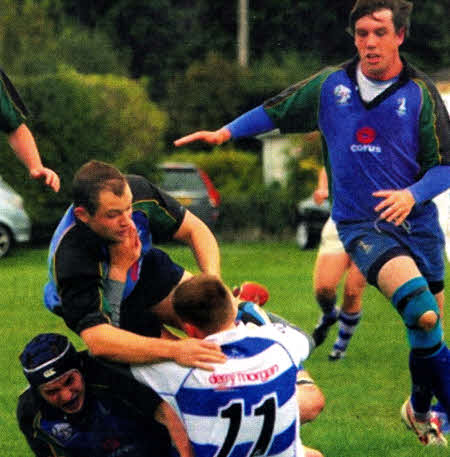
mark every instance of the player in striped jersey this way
{"type": "Point", "coordinates": [248, 406]}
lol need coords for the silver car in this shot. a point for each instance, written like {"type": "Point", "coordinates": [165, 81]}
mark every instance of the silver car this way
{"type": "Point", "coordinates": [193, 188]}
{"type": "Point", "coordinates": [15, 225]}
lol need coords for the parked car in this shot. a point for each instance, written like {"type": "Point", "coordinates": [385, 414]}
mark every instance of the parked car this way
{"type": "Point", "coordinates": [15, 225]}
{"type": "Point", "coordinates": [193, 188]}
{"type": "Point", "coordinates": [311, 217]}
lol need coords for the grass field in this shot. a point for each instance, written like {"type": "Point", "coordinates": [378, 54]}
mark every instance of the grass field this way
{"type": "Point", "coordinates": [364, 391]}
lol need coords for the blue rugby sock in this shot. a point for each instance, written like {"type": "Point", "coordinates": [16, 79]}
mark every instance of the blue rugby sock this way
{"type": "Point", "coordinates": [422, 391]}
{"type": "Point", "coordinates": [431, 374]}
{"type": "Point", "coordinates": [347, 326]}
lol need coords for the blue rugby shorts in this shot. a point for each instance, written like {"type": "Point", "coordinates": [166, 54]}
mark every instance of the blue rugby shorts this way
{"type": "Point", "coordinates": [422, 238]}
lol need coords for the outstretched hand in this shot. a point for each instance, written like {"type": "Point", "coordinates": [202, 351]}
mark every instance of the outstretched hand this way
{"type": "Point", "coordinates": [192, 352]}
{"type": "Point", "coordinates": [216, 137]}
{"type": "Point", "coordinates": [397, 205]}
{"type": "Point", "coordinates": [51, 179]}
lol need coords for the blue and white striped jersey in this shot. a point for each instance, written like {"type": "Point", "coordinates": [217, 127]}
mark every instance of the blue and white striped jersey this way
{"type": "Point", "coordinates": [247, 406]}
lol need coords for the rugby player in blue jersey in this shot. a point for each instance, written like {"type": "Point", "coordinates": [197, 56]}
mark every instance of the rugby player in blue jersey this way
{"type": "Point", "coordinates": [252, 404]}
{"type": "Point", "coordinates": [386, 147]}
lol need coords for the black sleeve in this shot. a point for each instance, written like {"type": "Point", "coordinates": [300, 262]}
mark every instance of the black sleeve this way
{"type": "Point", "coordinates": [78, 272]}
{"type": "Point", "coordinates": [164, 214]}
{"type": "Point", "coordinates": [26, 413]}
{"type": "Point", "coordinates": [13, 110]}
{"type": "Point", "coordinates": [442, 119]}
{"type": "Point", "coordinates": [118, 379]}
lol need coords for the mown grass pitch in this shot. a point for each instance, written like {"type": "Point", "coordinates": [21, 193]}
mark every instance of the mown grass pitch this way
{"type": "Point", "coordinates": [364, 392]}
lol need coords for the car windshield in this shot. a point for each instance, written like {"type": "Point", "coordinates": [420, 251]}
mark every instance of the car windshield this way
{"type": "Point", "coordinates": [173, 179]}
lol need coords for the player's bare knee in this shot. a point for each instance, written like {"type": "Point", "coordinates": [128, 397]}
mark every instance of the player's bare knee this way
{"type": "Point", "coordinates": [428, 320]}
{"type": "Point", "coordinates": [325, 293]}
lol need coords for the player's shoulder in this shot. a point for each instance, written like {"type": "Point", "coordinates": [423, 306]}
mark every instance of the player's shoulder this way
{"type": "Point", "coordinates": [140, 186]}
{"type": "Point", "coordinates": [143, 189]}
{"type": "Point", "coordinates": [421, 79]}
{"type": "Point", "coordinates": [27, 408]}
{"type": "Point", "coordinates": [295, 342]}
{"type": "Point", "coordinates": [79, 249]}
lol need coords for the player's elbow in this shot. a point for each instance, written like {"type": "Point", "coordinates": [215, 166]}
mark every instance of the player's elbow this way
{"type": "Point", "coordinates": [311, 402]}
{"type": "Point", "coordinates": [95, 342]}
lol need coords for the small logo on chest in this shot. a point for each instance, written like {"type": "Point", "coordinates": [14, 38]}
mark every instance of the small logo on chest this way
{"type": "Point", "coordinates": [401, 106]}
{"type": "Point", "coordinates": [342, 94]}
{"type": "Point", "coordinates": [62, 431]}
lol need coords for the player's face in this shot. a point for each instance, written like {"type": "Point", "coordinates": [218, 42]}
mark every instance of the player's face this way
{"type": "Point", "coordinates": [378, 45]}
{"type": "Point", "coordinates": [112, 220]}
{"type": "Point", "coordinates": [66, 392]}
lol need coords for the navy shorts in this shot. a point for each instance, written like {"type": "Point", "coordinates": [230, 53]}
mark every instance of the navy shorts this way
{"type": "Point", "coordinates": [158, 276]}
{"type": "Point", "coordinates": [371, 244]}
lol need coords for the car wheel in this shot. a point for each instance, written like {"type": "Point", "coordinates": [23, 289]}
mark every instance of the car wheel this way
{"type": "Point", "coordinates": [302, 235]}
{"type": "Point", "coordinates": [5, 240]}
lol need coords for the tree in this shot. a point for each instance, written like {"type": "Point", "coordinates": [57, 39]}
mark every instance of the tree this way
{"type": "Point", "coordinates": [81, 117]}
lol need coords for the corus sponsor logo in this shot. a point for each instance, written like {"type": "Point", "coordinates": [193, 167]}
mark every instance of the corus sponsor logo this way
{"type": "Point", "coordinates": [365, 148]}
{"type": "Point", "coordinates": [366, 135]}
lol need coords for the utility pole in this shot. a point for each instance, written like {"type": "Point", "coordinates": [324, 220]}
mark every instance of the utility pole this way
{"type": "Point", "coordinates": [243, 33]}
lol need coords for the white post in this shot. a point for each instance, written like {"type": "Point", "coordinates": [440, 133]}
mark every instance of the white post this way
{"type": "Point", "coordinates": [243, 33]}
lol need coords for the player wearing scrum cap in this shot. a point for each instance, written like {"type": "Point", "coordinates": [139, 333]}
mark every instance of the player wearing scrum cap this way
{"type": "Point", "coordinates": [77, 407]}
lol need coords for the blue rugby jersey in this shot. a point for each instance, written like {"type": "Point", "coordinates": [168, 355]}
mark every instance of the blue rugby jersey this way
{"type": "Point", "coordinates": [248, 405]}
{"type": "Point", "coordinates": [388, 143]}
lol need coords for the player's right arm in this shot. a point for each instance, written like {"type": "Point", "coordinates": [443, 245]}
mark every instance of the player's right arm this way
{"type": "Point", "coordinates": [120, 345]}
{"type": "Point", "coordinates": [84, 309]}
{"type": "Point", "coordinates": [248, 124]}
{"type": "Point", "coordinates": [294, 110]}
{"type": "Point", "coordinates": [217, 137]}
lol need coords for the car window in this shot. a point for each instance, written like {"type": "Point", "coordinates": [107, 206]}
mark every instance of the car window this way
{"type": "Point", "coordinates": [181, 180]}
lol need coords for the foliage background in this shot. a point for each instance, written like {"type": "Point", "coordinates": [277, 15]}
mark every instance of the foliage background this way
{"type": "Point", "coordinates": [120, 80]}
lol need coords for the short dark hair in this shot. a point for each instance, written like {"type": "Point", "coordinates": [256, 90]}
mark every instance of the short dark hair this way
{"type": "Point", "coordinates": [91, 179]}
{"type": "Point", "coordinates": [401, 12]}
{"type": "Point", "coordinates": [203, 301]}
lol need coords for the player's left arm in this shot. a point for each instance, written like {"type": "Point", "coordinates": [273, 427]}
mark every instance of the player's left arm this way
{"type": "Point", "coordinates": [196, 234]}
{"type": "Point", "coordinates": [433, 157]}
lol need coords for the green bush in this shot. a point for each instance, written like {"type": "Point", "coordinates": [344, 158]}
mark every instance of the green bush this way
{"type": "Point", "coordinates": [248, 207]}
{"type": "Point", "coordinates": [78, 118]}
{"type": "Point", "coordinates": [231, 171]}
{"type": "Point", "coordinates": [206, 97]}
{"type": "Point", "coordinates": [34, 41]}
{"type": "Point", "coordinates": [213, 92]}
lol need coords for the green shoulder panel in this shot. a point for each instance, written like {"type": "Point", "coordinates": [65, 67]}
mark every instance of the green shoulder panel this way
{"type": "Point", "coordinates": [296, 109]}
{"type": "Point", "coordinates": [104, 305]}
{"type": "Point", "coordinates": [13, 112]}
{"type": "Point", "coordinates": [429, 154]}
{"type": "Point", "coordinates": [162, 224]}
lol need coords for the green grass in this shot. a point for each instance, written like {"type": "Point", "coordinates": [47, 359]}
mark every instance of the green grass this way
{"type": "Point", "coordinates": [364, 392]}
